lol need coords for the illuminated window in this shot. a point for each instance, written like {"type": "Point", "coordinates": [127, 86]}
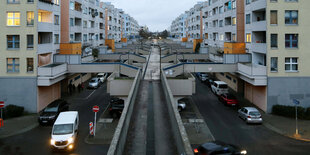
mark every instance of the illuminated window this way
{"type": "Point", "coordinates": [12, 64]}
{"type": "Point", "coordinates": [39, 16]}
{"type": "Point", "coordinates": [13, 19]}
{"type": "Point", "coordinates": [234, 21]}
{"type": "Point", "coordinates": [30, 18]}
{"type": "Point", "coordinates": [13, 1]}
{"type": "Point", "coordinates": [248, 38]}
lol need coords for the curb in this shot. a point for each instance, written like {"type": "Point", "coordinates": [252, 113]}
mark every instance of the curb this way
{"type": "Point", "coordinates": [271, 127]}
{"type": "Point", "coordinates": [20, 131]}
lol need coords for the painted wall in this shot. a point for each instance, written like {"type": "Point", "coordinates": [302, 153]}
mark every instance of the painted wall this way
{"type": "Point", "coordinates": [281, 90]}
{"type": "Point", "coordinates": [303, 31]}
{"type": "Point", "coordinates": [21, 91]}
{"type": "Point", "coordinates": [47, 95]}
{"type": "Point", "coordinates": [256, 95]}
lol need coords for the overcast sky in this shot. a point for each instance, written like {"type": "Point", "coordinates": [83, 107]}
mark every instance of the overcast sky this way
{"type": "Point", "coordinates": [156, 14]}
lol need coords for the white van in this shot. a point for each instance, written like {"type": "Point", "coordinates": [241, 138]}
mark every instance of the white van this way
{"type": "Point", "coordinates": [219, 87]}
{"type": "Point", "coordinates": [102, 77]}
{"type": "Point", "coordinates": [65, 129]}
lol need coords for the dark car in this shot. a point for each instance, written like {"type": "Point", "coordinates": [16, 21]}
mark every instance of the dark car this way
{"type": "Point", "coordinates": [49, 114]}
{"type": "Point", "coordinates": [209, 82]}
{"type": "Point", "coordinates": [116, 107]}
{"type": "Point", "coordinates": [218, 147]}
{"type": "Point", "coordinates": [228, 99]}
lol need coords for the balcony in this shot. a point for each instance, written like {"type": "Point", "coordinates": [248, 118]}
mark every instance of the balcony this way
{"type": "Point", "coordinates": [45, 27]}
{"type": "Point", "coordinates": [257, 47]}
{"type": "Point", "coordinates": [52, 70]}
{"type": "Point", "coordinates": [45, 48]}
{"type": "Point", "coordinates": [258, 4]}
{"type": "Point", "coordinates": [259, 25]}
{"type": "Point", "coordinates": [250, 70]}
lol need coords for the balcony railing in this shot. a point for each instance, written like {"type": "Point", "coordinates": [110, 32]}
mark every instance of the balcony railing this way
{"type": "Point", "coordinates": [52, 70]}
{"type": "Point", "coordinates": [251, 69]}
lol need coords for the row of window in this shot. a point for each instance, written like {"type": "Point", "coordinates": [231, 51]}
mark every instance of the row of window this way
{"type": "Point", "coordinates": [291, 64]}
{"type": "Point", "coordinates": [291, 17]}
{"type": "Point", "coordinates": [18, 1]}
{"type": "Point", "coordinates": [13, 18]}
{"type": "Point", "coordinates": [14, 63]}
{"type": "Point", "coordinates": [291, 40]}
{"type": "Point", "coordinates": [13, 41]}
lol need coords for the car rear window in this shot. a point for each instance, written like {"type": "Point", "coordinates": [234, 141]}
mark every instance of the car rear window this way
{"type": "Point", "coordinates": [92, 80]}
{"type": "Point", "coordinates": [254, 113]}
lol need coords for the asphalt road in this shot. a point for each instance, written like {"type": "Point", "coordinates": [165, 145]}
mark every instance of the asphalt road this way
{"type": "Point", "coordinates": [225, 125]}
{"type": "Point", "coordinates": [36, 141]}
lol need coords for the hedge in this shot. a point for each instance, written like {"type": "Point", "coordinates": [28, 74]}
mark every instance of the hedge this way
{"type": "Point", "coordinates": [289, 111]}
{"type": "Point", "coordinates": [13, 111]}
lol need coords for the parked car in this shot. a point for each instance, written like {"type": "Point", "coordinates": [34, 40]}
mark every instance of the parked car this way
{"type": "Point", "coordinates": [102, 77]}
{"type": "Point", "coordinates": [181, 105]}
{"type": "Point", "coordinates": [203, 77]}
{"type": "Point", "coordinates": [250, 115]}
{"type": "Point", "coordinates": [218, 147]}
{"type": "Point", "coordinates": [116, 107]}
{"type": "Point", "coordinates": [94, 83]}
{"type": "Point", "coordinates": [50, 113]}
{"type": "Point", "coordinates": [65, 131]}
{"type": "Point", "coordinates": [219, 87]}
{"type": "Point", "coordinates": [209, 82]}
{"type": "Point", "coordinates": [228, 99]}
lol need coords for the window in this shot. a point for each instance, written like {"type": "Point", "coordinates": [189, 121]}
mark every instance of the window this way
{"type": "Point", "coordinates": [234, 21]}
{"type": "Point", "coordinates": [247, 2]}
{"type": "Point", "coordinates": [71, 22]}
{"type": "Point", "coordinates": [84, 24]}
{"type": "Point", "coordinates": [56, 38]}
{"type": "Point", "coordinates": [71, 5]}
{"type": "Point", "coordinates": [248, 19]}
{"type": "Point", "coordinates": [273, 17]}
{"type": "Point", "coordinates": [234, 38]}
{"type": "Point", "coordinates": [30, 1]}
{"type": "Point", "coordinates": [13, 19]}
{"type": "Point", "coordinates": [29, 64]}
{"type": "Point", "coordinates": [56, 19]}
{"type": "Point", "coordinates": [291, 17]}
{"type": "Point", "coordinates": [248, 38]}
{"type": "Point", "coordinates": [56, 2]}
{"type": "Point", "coordinates": [30, 41]}
{"type": "Point", "coordinates": [291, 40]}
{"type": "Point", "coordinates": [13, 1]}
{"type": "Point", "coordinates": [273, 0]}
{"type": "Point", "coordinates": [274, 40]}
{"type": "Point", "coordinates": [71, 37]}
{"type": "Point", "coordinates": [30, 18]}
{"type": "Point", "coordinates": [221, 37]}
{"type": "Point", "coordinates": [221, 23]}
{"type": "Point", "coordinates": [273, 64]}
{"type": "Point", "coordinates": [84, 37]}
{"type": "Point", "coordinates": [291, 64]}
{"type": "Point", "coordinates": [291, 0]}
{"type": "Point", "coordinates": [12, 41]}
{"type": "Point", "coordinates": [233, 5]}
{"type": "Point", "coordinates": [12, 65]}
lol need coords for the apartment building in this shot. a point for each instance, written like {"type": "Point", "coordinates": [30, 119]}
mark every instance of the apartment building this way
{"type": "Point", "coordinates": [82, 22]}
{"type": "Point", "coordinates": [287, 44]}
{"type": "Point", "coordinates": [131, 27]}
{"type": "Point", "coordinates": [194, 21]}
{"type": "Point", "coordinates": [274, 33]}
{"type": "Point", "coordinates": [30, 36]}
{"type": "Point", "coordinates": [115, 22]}
{"type": "Point", "coordinates": [178, 26]}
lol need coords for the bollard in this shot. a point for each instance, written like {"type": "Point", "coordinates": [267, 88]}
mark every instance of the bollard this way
{"type": "Point", "coordinates": [91, 128]}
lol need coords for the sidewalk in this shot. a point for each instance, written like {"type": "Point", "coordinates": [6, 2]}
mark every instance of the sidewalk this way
{"type": "Point", "coordinates": [282, 125]}
{"type": "Point", "coordinates": [18, 125]}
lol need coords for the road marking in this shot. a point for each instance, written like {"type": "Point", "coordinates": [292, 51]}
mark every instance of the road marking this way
{"type": "Point", "coordinates": [90, 94]}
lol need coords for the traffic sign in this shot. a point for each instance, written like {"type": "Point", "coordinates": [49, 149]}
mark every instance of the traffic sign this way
{"type": "Point", "coordinates": [95, 108]}
{"type": "Point", "coordinates": [296, 102]}
{"type": "Point", "coordinates": [1, 104]}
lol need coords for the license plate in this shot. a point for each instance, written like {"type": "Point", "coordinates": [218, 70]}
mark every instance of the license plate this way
{"type": "Point", "coordinates": [44, 121]}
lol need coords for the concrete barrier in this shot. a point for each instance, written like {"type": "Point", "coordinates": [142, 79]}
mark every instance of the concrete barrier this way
{"type": "Point", "coordinates": [178, 129]}
{"type": "Point", "coordinates": [120, 135]}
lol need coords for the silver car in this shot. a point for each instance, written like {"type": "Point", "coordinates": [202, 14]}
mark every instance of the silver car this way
{"type": "Point", "coordinates": [250, 115]}
{"type": "Point", "coordinates": [94, 83]}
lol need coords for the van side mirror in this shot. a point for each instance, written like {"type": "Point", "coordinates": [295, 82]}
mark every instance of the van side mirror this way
{"type": "Point", "coordinates": [76, 130]}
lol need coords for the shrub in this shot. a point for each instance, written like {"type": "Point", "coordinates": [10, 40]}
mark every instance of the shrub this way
{"type": "Point", "coordinates": [289, 111]}
{"type": "Point", "coordinates": [13, 111]}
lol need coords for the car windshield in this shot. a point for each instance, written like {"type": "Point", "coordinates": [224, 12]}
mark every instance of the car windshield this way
{"type": "Point", "coordinates": [92, 81]}
{"type": "Point", "coordinates": [222, 86]}
{"type": "Point", "coordinates": [62, 129]}
{"type": "Point", "coordinates": [51, 109]}
{"type": "Point", "coordinates": [254, 113]}
{"type": "Point", "coordinates": [99, 76]}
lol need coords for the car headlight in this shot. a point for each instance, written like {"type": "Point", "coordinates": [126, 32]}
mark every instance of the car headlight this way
{"type": "Point", "coordinates": [243, 152]}
{"type": "Point", "coordinates": [52, 142]}
{"type": "Point", "coordinates": [70, 140]}
{"type": "Point", "coordinates": [51, 117]}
